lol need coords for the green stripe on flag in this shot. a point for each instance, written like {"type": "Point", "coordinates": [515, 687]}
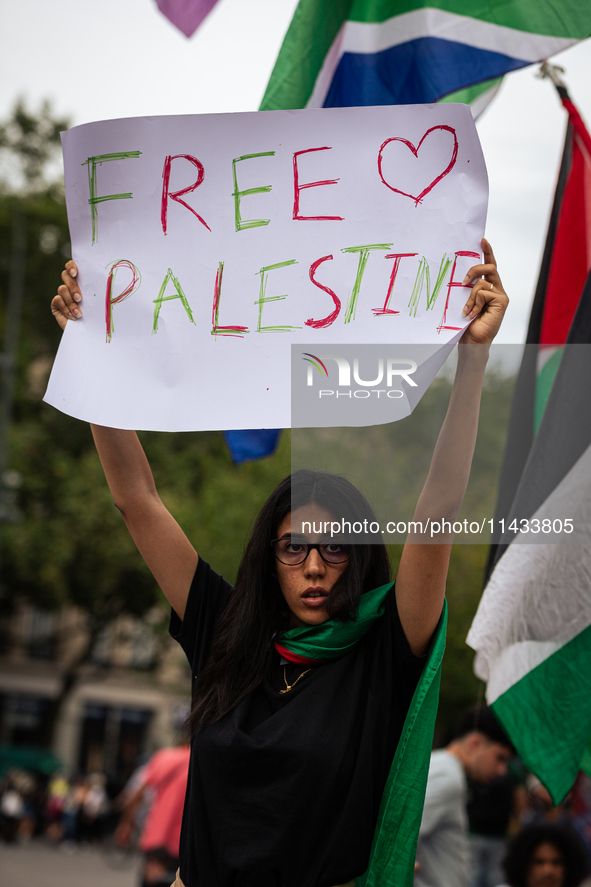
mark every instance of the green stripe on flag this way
{"type": "Point", "coordinates": [548, 712]}
{"type": "Point", "coordinates": [303, 52]}
{"type": "Point", "coordinates": [467, 95]}
{"type": "Point", "coordinates": [586, 762]}
{"type": "Point", "coordinates": [316, 23]}
{"type": "Point", "coordinates": [544, 384]}
{"type": "Point", "coordinates": [568, 18]}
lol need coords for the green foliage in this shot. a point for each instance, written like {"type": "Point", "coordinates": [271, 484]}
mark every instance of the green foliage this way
{"type": "Point", "coordinates": [47, 248]}
{"type": "Point", "coordinates": [218, 514]}
{"type": "Point", "coordinates": [460, 688]}
{"type": "Point", "coordinates": [29, 142]}
{"type": "Point", "coordinates": [72, 546]}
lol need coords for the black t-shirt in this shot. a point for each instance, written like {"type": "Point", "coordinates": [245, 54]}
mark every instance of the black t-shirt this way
{"type": "Point", "coordinates": [284, 791]}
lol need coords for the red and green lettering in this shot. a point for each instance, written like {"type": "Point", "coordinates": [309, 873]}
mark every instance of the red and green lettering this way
{"type": "Point", "coordinates": [424, 277]}
{"type": "Point", "coordinates": [330, 318]}
{"type": "Point", "coordinates": [443, 323]}
{"type": "Point", "coordinates": [297, 187]}
{"type": "Point", "coordinates": [178, 294]}
{"type": "Point", "coordinates": [364, 252]}
{"type": "Point", "coordinates": [129, 290]}
{"type": "Point", "coordinates": [217, 330]}
{"type": "Point", "coordinates": [264, 298]}
{"type": "Point", "coordinates": [95, 199]}
{"type": "Point", "coordinates": [385, 309]}
{"type": "Point", "coordinates": [167, 194]}
{"type": "Point", "coordinates": [237, 194]}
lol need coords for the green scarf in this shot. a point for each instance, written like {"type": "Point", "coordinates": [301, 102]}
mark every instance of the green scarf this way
{"type": "Point", "coordinates": [333, 639]}
{"type": "Point", "coordinates": [394, 844]}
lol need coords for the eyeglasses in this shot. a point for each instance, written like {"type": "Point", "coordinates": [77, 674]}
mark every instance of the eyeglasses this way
{"type": "Point", "coordinates": [290, 552]}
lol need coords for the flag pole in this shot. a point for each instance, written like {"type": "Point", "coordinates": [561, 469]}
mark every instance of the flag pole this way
{"type": "Point", "coordinates": [552, 72]}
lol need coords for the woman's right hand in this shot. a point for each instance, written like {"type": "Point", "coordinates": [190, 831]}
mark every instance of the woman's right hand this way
{"type": "Point", "coordinates": [65, 306]}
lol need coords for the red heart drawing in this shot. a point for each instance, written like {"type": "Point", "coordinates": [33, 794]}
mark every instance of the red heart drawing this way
{"type": "Point", "coordinates": [415, 151]}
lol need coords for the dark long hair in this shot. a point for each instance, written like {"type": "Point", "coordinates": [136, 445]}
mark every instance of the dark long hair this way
{"type": "Point", "coordinates": [525, 843]}
{"type": "Point", "coordinates": [241, 646]}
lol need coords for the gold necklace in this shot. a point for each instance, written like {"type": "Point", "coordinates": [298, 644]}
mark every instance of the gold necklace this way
{"type": "Point", "coordinates": [289, 687]}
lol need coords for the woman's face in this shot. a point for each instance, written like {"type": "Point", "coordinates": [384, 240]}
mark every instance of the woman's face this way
{"type": "Point", "coordinates": [306, 586]}
{"type": "Point", "coordinates": [546, 867]}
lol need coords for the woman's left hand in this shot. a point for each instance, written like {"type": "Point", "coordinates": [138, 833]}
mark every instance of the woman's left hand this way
{"type": "Point", "coordinates": [487, 302]}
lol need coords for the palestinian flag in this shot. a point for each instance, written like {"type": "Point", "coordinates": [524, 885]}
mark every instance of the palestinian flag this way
{"type": "Point", "coordinates": [565, 265]}
{"type": "Point", "coordinates": [341, 53]}
{"type": "Point", "coordinates": [532, 631]}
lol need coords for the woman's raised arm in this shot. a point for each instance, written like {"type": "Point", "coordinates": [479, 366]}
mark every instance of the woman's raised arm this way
{"type": "Point", "coordinates": [161, 542]}
{"type": "Point", "coordinates": [420, 583]}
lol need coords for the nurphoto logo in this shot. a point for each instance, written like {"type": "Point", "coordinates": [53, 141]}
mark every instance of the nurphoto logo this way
{"type": "Point", "coordinates": [340, 384]}
{"type": "Point", "coordinates": [387, 371]}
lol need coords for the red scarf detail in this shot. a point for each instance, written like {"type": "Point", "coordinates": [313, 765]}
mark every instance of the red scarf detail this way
{"type": "Point", "coordinates": [295, 657]}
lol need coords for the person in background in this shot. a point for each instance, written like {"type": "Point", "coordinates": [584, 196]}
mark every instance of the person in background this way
{"type": "Point", "coordinates": [29, 790]}
{"type": "Point", "coordinates": [480, 752]}
{"type": "Point", "coordinates": [545, 856]}
{"type": "Point", "coordinates": [493, 807]}
{"type": "Point", "coordinates": [165, 775]}
{"type": "Point", "coordinates": [12, 809]}
{"type": "Point", "coordinates": [57, 792]}
{"type": "Point", "coordinates": [541, 807]}
{"type": "Point", "coordinates": [71, 809]}
{"type": "Point", "coordinates": [581, 810]}
{"type": "Point", "coordinates": [121, 802]}
{"type": "Point", "coordinates": [95, 807]}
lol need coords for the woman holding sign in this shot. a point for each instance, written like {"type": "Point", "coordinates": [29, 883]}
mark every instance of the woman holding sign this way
{"type": "Point", "coordinates": [315, 682]}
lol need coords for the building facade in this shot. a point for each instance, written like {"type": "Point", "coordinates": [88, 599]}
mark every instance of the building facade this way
{"type": "Point", "coordinates": [99, 703]}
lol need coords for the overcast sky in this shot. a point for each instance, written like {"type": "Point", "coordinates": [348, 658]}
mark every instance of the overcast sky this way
{"type": "Point", "coordinates": [122, 58]}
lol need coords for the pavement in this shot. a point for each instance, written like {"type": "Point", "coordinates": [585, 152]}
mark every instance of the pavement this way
{"type": "Point", "coordinates": [40, 864]}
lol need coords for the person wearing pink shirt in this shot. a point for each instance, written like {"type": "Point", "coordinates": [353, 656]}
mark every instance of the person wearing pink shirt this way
{"type": "Point", "coordinates": [166, 775]}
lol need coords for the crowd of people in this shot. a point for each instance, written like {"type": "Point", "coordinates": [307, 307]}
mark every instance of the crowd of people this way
{"type": "Point", "coordinates": [486, 823]}
{"type": "Point", "coordinates": [65, 811]}
{"type": "Point", "coordinates": [145, 816]}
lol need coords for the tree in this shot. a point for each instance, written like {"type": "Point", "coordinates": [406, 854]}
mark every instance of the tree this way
{"type": "Point", "coordinates": [29, 145]}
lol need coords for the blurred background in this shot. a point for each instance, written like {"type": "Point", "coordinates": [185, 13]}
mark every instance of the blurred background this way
{"type": "Point", "coordinates": [90, 683]}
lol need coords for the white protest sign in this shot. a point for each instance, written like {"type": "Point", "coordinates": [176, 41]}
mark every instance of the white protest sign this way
{"type": "Point", "coordinates": [208, 245]}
